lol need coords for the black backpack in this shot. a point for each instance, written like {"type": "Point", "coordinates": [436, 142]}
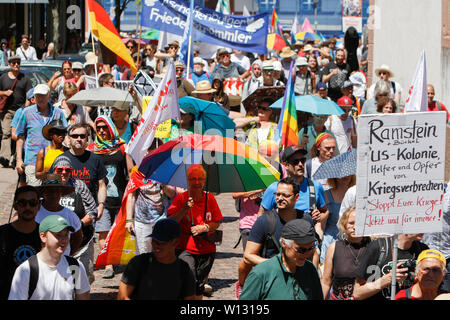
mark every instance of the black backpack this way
{"type": "Point", "coordinates": [34, 273]}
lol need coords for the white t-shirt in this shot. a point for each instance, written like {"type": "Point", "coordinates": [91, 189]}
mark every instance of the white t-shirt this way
{"type": "Point", "coordinates": [348, 201]}
{"type": "Point", "coordinates": [242, 60]}
{"type": "Point", "coordinates": [70, 216]}
{"type": "Point", "coordinates": [54, 283]}
{"type": "Point", "coordinates": [342, 131]}
{"type": "Point", "coordinates": [315, 164]}
{"type": "Point", "coordinates": [28, 54]}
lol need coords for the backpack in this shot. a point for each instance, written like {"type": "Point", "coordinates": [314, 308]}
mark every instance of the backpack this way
{"type": "Point", "coordinates": [272, 219]}
{"type": "Point", "coordinates": [34, 273]}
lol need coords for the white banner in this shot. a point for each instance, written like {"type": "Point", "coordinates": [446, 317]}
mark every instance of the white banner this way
{"type": "Point", "coordinates": [417, 100]}
{"type": "Point", "coordinates": [352, 15]}
{"type": "Point", "coordinates": [163, 106]}
{"type": "Point", "coordinates": [400, 173]}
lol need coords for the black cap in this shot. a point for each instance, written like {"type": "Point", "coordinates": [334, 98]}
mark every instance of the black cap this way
{"type": "Point", "coordinates": [165, 230]}
{"type": "Point", "coordinates": [291, 150]}
{"type": "Point", "coordinates": [299, 230]}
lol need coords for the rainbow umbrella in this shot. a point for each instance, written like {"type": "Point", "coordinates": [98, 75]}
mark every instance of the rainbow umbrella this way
{"type": "Point", "coordinates": [231, 166]}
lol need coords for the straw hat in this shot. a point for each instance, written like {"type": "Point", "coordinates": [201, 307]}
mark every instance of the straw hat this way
{"type": "Point", "coordinates": [203, 87]}
{"type": "Point", "coordinates": [384, 67]}
{"type": "Point", "coordinates": [91, 58]}
{"type": "Point", "coordinates": [307, 48]}
{"type": "Point", "coordinates": [287, 52]}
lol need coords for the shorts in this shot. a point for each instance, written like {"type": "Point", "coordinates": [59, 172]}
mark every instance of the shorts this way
{"type": "Point", "coordinates": [201, 265]}
{"type": "Point", "coordinates": [30, 172]}
{"type": "Point", "coordinates": [107, 220]}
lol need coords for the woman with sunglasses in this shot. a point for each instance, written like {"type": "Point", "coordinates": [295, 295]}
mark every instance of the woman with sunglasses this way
{"type": "Point", "coordinates": [342, 260]}
{"type": "Point", "coordinates": [55, 132]}
{"type": "Point", "coordinates": [111, 150]}
{"type": "Point", "coordinates": [265, 126]}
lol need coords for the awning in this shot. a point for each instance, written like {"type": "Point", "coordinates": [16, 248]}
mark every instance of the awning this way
{"type": "Point", "coordinates": [25, 1]}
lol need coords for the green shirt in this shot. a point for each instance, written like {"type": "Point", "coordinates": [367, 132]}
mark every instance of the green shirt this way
{"type": "Point", "coordinates": [270, 280]}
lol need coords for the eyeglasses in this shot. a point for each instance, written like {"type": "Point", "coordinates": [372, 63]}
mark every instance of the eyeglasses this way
{"type": "Point", "coordinates": [282, 195]}
{"type": "Point", "coordinates": [129, 47]}
{"type": "Point", "coordinates": [304, 250]}
{"type": "Point", "coordinates": [382, 72]}
{"type": "Point", "coordinates": [295, 162]}
{"type": "Point", "coordinates": [76, 136]}
{"type": "Point", "coordinates": [24, 202]}
{"type": "Point", "coordinates": [63, 170]}
{"type": "Point", "coordinates": [110, 82]}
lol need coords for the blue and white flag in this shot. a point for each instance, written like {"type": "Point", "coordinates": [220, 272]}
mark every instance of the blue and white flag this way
{"type": "Point", "coordinates": [230, 31]}
{"type": "Point", "coordinates": [186, 53]}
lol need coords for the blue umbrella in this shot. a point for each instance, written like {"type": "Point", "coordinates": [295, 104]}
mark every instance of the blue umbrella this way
{"type": "Point", "coordinates": [343, 165]}
{"type": "Point", "coordinates": [210, 114]}
{"type": "Point", "coordinates": [312, 104]}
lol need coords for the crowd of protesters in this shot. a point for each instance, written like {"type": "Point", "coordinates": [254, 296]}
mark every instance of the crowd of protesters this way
{"type": "Point", "coordinates": [298, 241]}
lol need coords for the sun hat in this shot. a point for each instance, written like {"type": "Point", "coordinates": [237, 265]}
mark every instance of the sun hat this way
{"type": "Point", "coordinates": [203, 86]}
{"type": "Point", "coordinates": [54, 124]}
{"type": "Point", "coordinates": [91, 59]}
{"type": "Point", "coordinates": [277, 65]}
{"type": "Point", "coordinates": [307, 48]}
{"type": "Point", "coordinates": [384, 67]}
{"type": "Point", "coordinates": [301, 62]}
{"type": "Point", "coordinates": [287, 52]}
{"type": "Point", "coordinates": [198, 60]}
{"type": "Point", "coordinates": [267, 65]}
{"type": "Point", "coordinates": [54, 182]}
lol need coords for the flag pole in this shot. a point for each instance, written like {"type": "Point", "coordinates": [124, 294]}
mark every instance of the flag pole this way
{"type": "Point", "coordinates": [93, 45]}
{"type": "Point", "coordinates": [394, 266]}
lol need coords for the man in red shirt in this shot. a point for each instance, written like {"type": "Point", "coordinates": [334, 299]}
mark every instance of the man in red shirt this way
{"type": "Point", "coordinates": [435, 105]}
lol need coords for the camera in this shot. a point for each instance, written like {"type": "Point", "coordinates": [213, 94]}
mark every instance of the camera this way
{"type": "Point", "coordinates": [410, 264]}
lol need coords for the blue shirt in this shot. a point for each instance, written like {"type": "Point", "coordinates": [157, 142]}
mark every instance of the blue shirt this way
{"type": "Point", "coordinates": [17, 117]}
{"type": "Point", "coordinates": [268, 201]}
{"type": "Point", "coordinates": [30, 126]}
{"type": "Point", "coordinates": [196, 78]}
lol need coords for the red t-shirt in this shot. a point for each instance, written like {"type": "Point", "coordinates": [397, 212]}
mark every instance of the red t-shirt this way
{"type": "Point", "coordinates": [401, 295]}
{"type": "Point", "coordinates": [433, 107]}
{"type": "Point", "coordinates": [195, 245]}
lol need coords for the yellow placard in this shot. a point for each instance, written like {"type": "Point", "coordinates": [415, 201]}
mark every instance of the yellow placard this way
{"type": "Point", "coordinates": [163, 130]}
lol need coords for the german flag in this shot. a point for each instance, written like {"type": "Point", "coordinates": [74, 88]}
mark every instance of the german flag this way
{"type": "Point", "coordinates": [105, 31]}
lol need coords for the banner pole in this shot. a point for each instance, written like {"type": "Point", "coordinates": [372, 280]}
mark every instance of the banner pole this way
{"type": "Point", "coordinates": [394, 266]}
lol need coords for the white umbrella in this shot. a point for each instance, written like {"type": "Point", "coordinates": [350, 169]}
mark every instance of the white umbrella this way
{"type": "Point", "coordinates": [103, 96]}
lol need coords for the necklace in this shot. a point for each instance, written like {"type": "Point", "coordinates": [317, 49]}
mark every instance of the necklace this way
{"type": "Point", "coordinates": [355, 258]}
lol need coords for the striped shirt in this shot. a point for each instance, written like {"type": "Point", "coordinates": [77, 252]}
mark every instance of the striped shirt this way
{"type": "Point", "coordinates": [30, 126]}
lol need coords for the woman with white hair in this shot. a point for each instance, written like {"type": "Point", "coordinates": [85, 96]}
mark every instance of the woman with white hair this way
{"type": "Point", "coordinates": [255, 81]}
{"type": "Point", "coordinates": [382, 89]}
{"type": "Point", "coordinates": [51, 53]}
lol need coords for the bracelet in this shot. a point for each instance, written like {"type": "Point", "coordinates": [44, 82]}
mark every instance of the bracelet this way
{"type": "Point", "coordinates": [207, 227]}
{"type": "Point", "coordinates": [102, 202]}
{"type": "Point", "coordinates": [129, 220]}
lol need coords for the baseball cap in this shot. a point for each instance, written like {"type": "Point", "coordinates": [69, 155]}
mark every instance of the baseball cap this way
{"type": "Point", "coordinates": [299, 230]}
{"type": "Point", "coordinates": [165, 230]}
{"type": "Point", "coordinates": [289, 151]}
{"type": "Point", "coordinates": [54, 223]}
{"type": "Point", "coordinates": [346, 84]}
{"type": "Point", "coordinates": [321, 86]}
{"type": "Point", "coordinates": [344, 101]}
{"type": "Point", "coordinates": [198, 60]}
{"type": "Point", "coordinates": [431, 253]}
{"type": "Point", "coordinates": [77, 65]}
{"type": "Point", "coordinates": [277, 65]}
{"type": "Point", "coordinates": [15, 57]}
{"type": "Point", "coordinates": [41, 88]}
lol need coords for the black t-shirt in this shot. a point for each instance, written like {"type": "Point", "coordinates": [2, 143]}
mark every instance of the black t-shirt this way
{"type": "Point", "coordinates": [334, 84]}
{"type": "Point", "coordinates": [157, 281]}
{"type": "Point", "coordinates": [369, 270]}
{"type": "Point", "coordinates": [116, 177]}
{"type": "Point", "coordinates": [18, 98]}
{"type": "Point", "coordinates": [260, 231]}
{"type": "Point", "coordinates": [89, 168]}
{"type": "Point", "coordinates": [15, 248]}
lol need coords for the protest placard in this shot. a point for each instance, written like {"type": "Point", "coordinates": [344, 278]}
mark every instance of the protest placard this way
{"type": "Point", "coordinates": [400, 173]}
{"type": "Point", "coordinates": [163, 129]}
{"type": "Point", "coordinates": [90, 83]}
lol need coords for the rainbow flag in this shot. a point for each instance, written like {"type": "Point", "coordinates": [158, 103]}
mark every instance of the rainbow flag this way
{"type": "Point", "coordinates": [105, 31]}
{"type": "Point", "coordinates": [119, 246]}
{"type": "Point", "coordinates": [276, 26]}
{"type": "Point", "coordinates": [287, 125]}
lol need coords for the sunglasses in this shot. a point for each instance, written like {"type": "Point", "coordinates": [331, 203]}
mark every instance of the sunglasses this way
{"type": "Point", "coordinates": [63, 170]}
{"type": "Point", "coordinates": [264, 108]}
{"type": "Point", "coordinates": [24, 202]}
{"type": "Point", "coordinates": [14, 62]}
{"type": "Point", "coordinates": [304, 250]}
{"type": "Point", "coordinates": [225, 55]}
{"type": "Point", "coordinates": [295, 162]}
{"type": "Point", "coordinates": [268, 71]}
{"type": "Point", "coordinates": [179, 70]}
{"type": "Point", "coordinates": [102, 128]}
{"type": "Point", "coordinates": [129, 47]}
{"type": "Point", "coordinates": [76, 136]}
{"type": "Point", "coordinates": [58, 132]}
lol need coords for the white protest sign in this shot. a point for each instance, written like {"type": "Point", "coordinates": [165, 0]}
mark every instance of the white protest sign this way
{"type": "Point", "coordinates": [400, 173]}
{"type": "Point", "coordinates": [90, 83]}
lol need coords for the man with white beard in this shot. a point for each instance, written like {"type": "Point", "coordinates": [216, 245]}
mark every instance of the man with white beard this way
{"type": "Point", "coordinates": [198, 73]}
